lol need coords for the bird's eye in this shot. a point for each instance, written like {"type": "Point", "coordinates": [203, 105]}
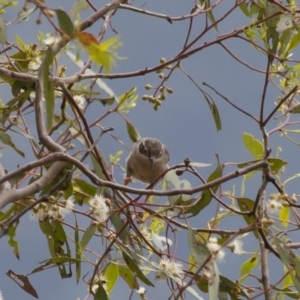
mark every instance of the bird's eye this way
{"type": "Point", "coordinates": [144, 151]}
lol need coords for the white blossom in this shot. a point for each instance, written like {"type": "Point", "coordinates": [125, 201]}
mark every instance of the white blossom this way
{"type": "Point", "coordinates": [169, 268]}
{"type": "Point", "coordinates": [69, 204]}
{"type": "Point", "coordinates": [38, 214]}
{"type": "Point", "coordinates": [99, 208]}
{"type": "Point", "coordinates": [236, 246]}
{"type": "Point", "coordinates": [50, 39]}
{"type": "Point", "coordinates": [215, 248]}
{"type": "Point", "coordinates": [43, 210]}
{"type": "Point", "coordinates": [273, 206]}
{"type": "Point", "coordinates": [141, 291]}
{"type": "Point", "coordinates": [80, 101]}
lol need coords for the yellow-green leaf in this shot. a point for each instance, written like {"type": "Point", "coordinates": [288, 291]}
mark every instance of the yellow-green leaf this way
{"type": "Point", "coordinates": [284, 216]}
{"type": "Point", "coordinates": [111, 274]}
{"type": "Point", "coordinates": [128, 277]}
{"type": "Point", "coordinates": [247, 267]}
{"type": "Point", "coordinates": [254, 146]}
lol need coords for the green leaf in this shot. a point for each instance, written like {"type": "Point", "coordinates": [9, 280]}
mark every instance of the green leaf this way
{"type": "Point", "coordinates": [47, 87]}
{"type": "Point", "coordinates": [21, 90]}
{"type": "Point", "coordinates": [112, 274]}
{"type": "Point", "coordinates": [132, 132]}
{"type": "Point", "coordinates": [5, 215]}
{"type": "Point", "coordinates": [249, 10]}
{"type": "Point", "coordinates": [63, 259]}
{"type": "Point", "coordinates": [6, 139]}
{"type": "Point", "coordinates": [206, 195]}
{"type": "Point", "coordinates": [132, 265]}
{"type": "Point", "coordinates": [210, 12]}
{"type": "Point", "coordinates": [293, 44]}
{"type": "Point", "coordinates": [295, 109]}
{"type": "Point", "coordinates": [254, 146]}
{"type": "Point", "coordinates": [118, 223]}
{"type": "Point", "coordinates": [77, 251]}
{"type": "Point", "coordinates": [246, 204]}
{"type": "Point", "coordinates": [291, 262]}
{"type": "Point", "coordinates": [12, 242]}
{"type": "Point", "coordinates": [88, 234]}
{"type": "Point", "coordinates": [100, 293]}
{"type": "Point", "coordinates": [214, 110]}
{"type": "Point", "coordinates": [212, 106]}
{"type": "Point", "coordinates": [2, 30]}
{"type": "Point", "coordinates": [82, 186]}
{"type": "Point", "coordinates": [128, 277]}
{"type": "Point", "coordinates": [234, 290]}
{"type": "Point", "coordinates": [247, 267]}
{"type": "Point", "coordinates": [65, 23]}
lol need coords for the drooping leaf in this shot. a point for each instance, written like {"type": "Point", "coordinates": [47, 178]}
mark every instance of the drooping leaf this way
{"type": "Point", "coordinates": [23, 282]}
{"type": "Point", "coordinates": [206, 195]}
{"type": "Point", "coordinates": [65, 23]}
{"type": "Point", "coordinates": [213, 287]}
{"type": "Point", "coordinates": [132, 132]}
{"type": "Point", "coordinates": [88, 234]}
{"type": "Point", "coordinates": [12, 242]}
{"type": "Point", "coordinates": [207, 5]}
{"type": "Point", "coordinates": [291, 262]}
{"type": "Point", "coordinates": [47, 87]}
{"type": "Point", "coordinates": [128, 277]}
{"type": "Point", "coordinates": [77, 251]}
{"type": "Point", "coordinates": [198, 248]}
{"type": "Point", "coordinates": [2, 30]}
{"type": "Point", "coordinates": [132, 265]}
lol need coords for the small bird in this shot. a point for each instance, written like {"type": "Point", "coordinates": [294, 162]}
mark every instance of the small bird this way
{"type": "Point", "coordinates": [147, 160]}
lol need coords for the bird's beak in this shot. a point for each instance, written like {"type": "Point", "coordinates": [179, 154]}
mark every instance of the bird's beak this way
{"type": "Point", "coordinates": [152, 160]}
